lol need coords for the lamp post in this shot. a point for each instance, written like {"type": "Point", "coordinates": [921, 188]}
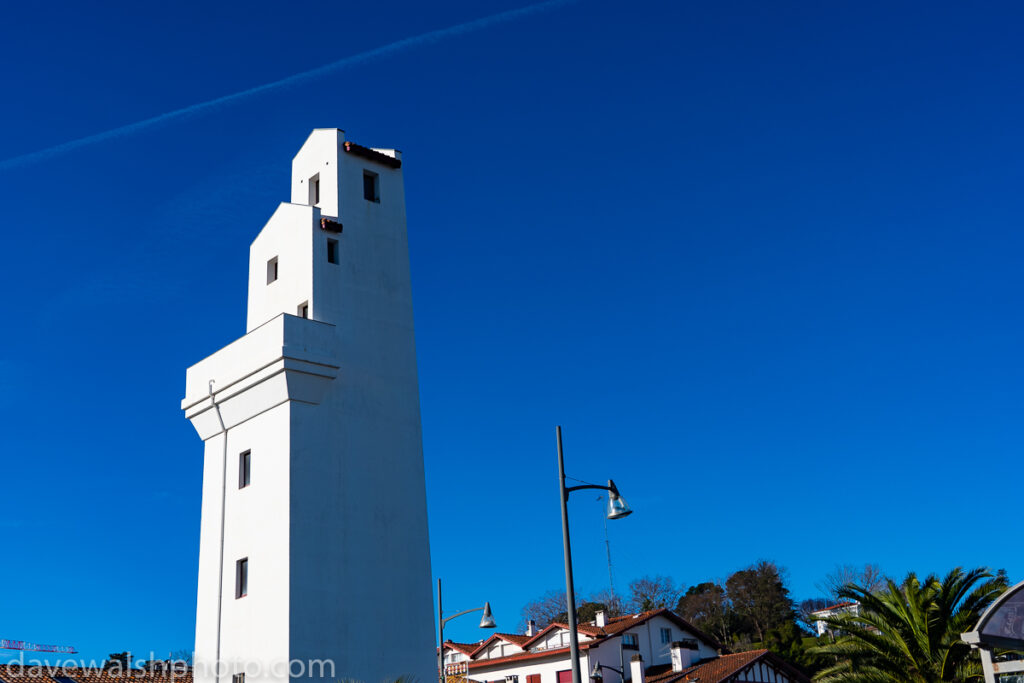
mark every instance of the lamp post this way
{"type": "Point", "coordinates": [486, 621]}
{"type": "Point", "coordinates": [617, 509]}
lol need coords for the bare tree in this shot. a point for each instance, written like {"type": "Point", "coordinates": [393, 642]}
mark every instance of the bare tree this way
{"type": "Point", "coordinates": [652, 592]}
{"type": "Point", "coordinates": [869, 577]}
{"type": "Point", "coordinates": [613, 602]}
{"type": "Point", "coordinates": [544, 609]}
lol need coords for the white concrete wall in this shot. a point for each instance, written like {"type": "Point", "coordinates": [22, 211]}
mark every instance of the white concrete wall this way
{"type": "Point", "coordinates": [346, 552]}
{"type": "Point", "coordinates": [548, 669]}
{"type": "Point", "coordinates": [287, 236]}
{"type": "Point", "coordinates": [319, 156]}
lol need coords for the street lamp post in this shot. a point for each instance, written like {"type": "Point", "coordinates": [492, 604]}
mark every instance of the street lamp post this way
{"type": "Point", "coordinates": [486, 621]}
{"type": "Point", "coordinates": [617, 509]}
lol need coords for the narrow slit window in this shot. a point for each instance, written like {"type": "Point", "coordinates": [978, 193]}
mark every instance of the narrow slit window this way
{"type": "Point", "coordinates": [272, 270]}
{"type": "Point", "coordinates": [238, 678]}
{"type": "Point", "coordinates": [371, 186]}
{"type": "Point", "coordinates": [244, 469]}
{"type": "Point", "coordinates": [242, 578]}
{"type": "Point", "coordinates": [304, 310]}
{"type": "Point", "coordinates": [332, 250]}
{"type": "Point", "coordinates": [314, 189]}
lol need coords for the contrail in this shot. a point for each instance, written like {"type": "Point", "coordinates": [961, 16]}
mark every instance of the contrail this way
{"type": "Point", "coordinates": [304, 77]}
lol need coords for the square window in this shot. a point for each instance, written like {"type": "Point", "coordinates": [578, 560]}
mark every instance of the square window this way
{"type": "Point", "coordinates": [630, 642]}
{"type": "Point", "coordinates": [666, 636]}
{"type": "Point", "coordinates": [314, 189]}
{"type": "Point", "coordinates": [242, 578]}
{"type": "Point", "coordinates": [272, 270]}
{"type": "Point", "coordinates": [332, 250]}
{"type": "Point", "coordinates": [238, 678]}
{"type": "Point", "coordinates": [244, 464]}
{"type": "Point", "coordinates": [371, 186]}
{"type": "Point", "coordinates": [304, 310]}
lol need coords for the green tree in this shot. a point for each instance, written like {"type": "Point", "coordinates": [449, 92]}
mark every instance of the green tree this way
{"type": "Point", "coordinates": [760, 597]}
{"type": "Point", "coordinates": [707, 607]}
{"type": "Point", "coordinates": [910, 633]}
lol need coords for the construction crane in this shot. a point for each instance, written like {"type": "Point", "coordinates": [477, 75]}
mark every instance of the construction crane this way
{"type": "Point", "coordinates": [36, 647]}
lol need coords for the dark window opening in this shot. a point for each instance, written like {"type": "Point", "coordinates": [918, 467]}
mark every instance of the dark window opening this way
{"type": "Point", "coordinates": [238, 678]}
{"type": "Point", "coordinates": [371, 186]}
{"type": "Point", "coordinates": [244, 465]}
{"type": "Point", "coordinates": [332, 250]}
{"type": "Point", "coordinates": [304, 310]}
{"type": "Point", "coordinates": [242, 578]}
{"type": "Point", "coordinates": [272, 270]}
{"type": "Point", "coordinates": [630, 642]}
{"type": "Point", "coordinates": [314, 189]}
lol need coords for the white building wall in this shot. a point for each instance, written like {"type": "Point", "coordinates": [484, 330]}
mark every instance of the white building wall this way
{"type": "Point", "coordinates": [334, 522]}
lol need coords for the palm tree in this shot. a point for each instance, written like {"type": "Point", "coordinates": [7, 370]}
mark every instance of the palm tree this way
{"type": "Point", "coordinates": [910, 633]}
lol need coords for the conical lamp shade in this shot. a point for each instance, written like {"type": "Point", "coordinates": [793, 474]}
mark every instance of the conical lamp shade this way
{"type": "Point", "coordinates": [487, 620]}
{"type": "Point", "coordinates": [617, 508]}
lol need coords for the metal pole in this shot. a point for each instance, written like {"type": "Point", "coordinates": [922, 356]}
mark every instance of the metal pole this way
{"type": "Point", "coordinates": [440, 636]}
{"type": "Point", "coordinates": [570, 594]}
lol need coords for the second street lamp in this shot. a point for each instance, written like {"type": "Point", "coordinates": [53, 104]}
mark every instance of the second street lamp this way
{"type": "Point", "coordinates": [486, 621]}
{"type": "Point", "coordinates": [617, 509]}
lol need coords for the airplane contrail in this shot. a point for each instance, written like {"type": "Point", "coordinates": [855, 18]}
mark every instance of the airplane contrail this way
{"type": "Point", "coordinates": [296, 79]}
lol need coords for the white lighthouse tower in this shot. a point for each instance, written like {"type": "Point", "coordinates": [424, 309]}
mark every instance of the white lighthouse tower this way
{"type": "Point", "coordinates": [314, 558]}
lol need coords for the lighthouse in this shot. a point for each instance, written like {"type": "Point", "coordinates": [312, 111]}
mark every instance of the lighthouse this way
{"type": "Point", "coordinates": [314, 558]}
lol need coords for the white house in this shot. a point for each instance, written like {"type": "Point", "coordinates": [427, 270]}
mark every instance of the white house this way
{"type": "Point", "coordinates": [832, 610]}
{"type": "Point", "coordinates": [656, 646]}
{"type": "Point", "coordinates": [314, 524]}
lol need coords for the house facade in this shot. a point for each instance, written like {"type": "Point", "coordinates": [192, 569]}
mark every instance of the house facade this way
{"type": "Point", "coordinates": [650, 646]}
{"type": "Point", "coordinates": [820, 627]}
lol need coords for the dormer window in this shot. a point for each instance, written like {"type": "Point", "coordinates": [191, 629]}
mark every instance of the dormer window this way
{"type": "Point", "coordinates": [272, 270]}
{"type": "Point", "coordinates": [371, 186]}
{"type": "Point", "coordinates": [314, 190]}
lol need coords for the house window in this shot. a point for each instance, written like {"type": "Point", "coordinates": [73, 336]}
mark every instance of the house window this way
{"type": "Point", "coordinates": [314, 189]}
{"type": "Point", "coordinates": [244, 460]}
{"type": "Point", "coordinates": [242, 578]}
{"type": "Point", "coordinates": [272, 270]}
{"type": "Point", "coordinates": [666, 636]}
{"type": "Point", "coordinates": [564, 676]}
{"type": "Point", "coordinates": [304, 309]}
{"type": "Point", "coordinates": [238, 678]}
{"type": "Point", "coordinates": [371, 186]}
{"type": "Point", "coordinates": [332, 250]}
{"type": "Point", "coordinates": [533, 678]}
{"type": "Point", "coordinates": [630, 642]}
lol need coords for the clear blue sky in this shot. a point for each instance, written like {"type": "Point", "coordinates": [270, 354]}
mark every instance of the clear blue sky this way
{"type": "Point", "coordinates": [761, 260]}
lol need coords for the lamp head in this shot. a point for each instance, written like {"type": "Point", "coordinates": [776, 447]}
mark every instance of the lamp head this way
{"type": "Point", "coordinates": [595, 672]}
{"type": "Point", "coordinates": [617, 508]}
{"type": "Point", "coordinates": [487, 620]}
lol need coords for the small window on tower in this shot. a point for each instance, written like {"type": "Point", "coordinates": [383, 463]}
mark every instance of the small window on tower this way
{"type": "Point", "coordinates": [272, 270]}
{"type": "Point", "coordinates": [238, 678]}
{"type": "Point", "coordinates": [304, 309]}
{"type": "Point", "coordinates": [371, 186]}
{"type": "Point", "coordinates": [244, 468]}
{"type": "Point", "coordinates": [332, 250]}
{"type": "Point", "coordinates": [242, 578]}
{"type": "Point", "coordinates": [314, 189]}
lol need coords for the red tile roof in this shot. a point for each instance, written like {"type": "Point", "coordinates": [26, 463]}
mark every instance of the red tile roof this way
{"type": "Point", "coordinates": [464, 648]}
{"type": "Point", "coordinates": [723, 669]}
{"type": "Point", "coordinates": [838, 605]}
{"type": "Point", "coordinates": [372, 155]}
{"type": "Point", "coordinates": [507, 637]}
{"type": "Point", "coordinates": [613, 627]}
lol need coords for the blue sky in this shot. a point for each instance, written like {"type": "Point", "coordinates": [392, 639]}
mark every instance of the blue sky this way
{"type": "Point", "coordinates": [760, 260]}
